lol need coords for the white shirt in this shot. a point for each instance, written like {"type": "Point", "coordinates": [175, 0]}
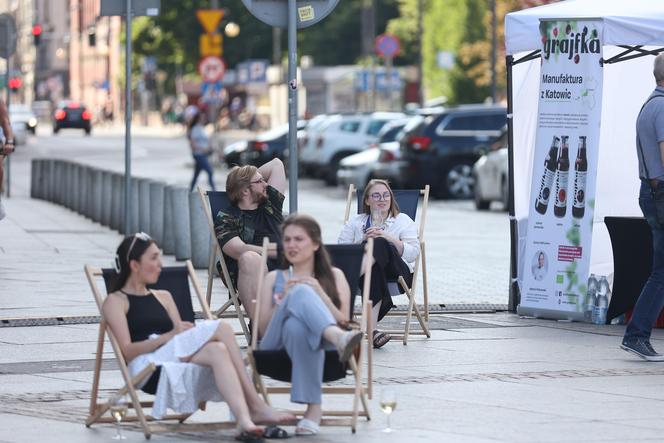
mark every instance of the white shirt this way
{"type": "Point", "coordinates": [401, 226]}
{"type": "Point", "coordinates": [200, 142]}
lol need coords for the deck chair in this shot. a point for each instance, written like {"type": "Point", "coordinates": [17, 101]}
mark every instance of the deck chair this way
{"type": "Point", "coordinates": [277, 364]}
{"type": "Point", "coordinates": [176, 280]}
{"type": "Point", "coordinates": [407, 199]}
{"type": "Point", "coordinates": [213, 202]}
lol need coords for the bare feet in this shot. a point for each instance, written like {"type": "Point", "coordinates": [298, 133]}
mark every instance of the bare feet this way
{"type": "Point", "coordinates": [249, 428]}
{"type": "Point", "coordinates": [265, 414]}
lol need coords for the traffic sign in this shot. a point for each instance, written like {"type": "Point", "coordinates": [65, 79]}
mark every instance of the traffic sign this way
{"type": "Point", "coordinates": [209, 18]}
{"type": "Point", "coordinates": [149, 8]}
{"type": "Point", "coordinates": [211, 93]}
{"type": "Point", "coordinates": [211, 44]}
{"type": "Point", "coordinates": [211, 69]}
{"type": "Point", "coordinates": [387, 46]}
{"type": "Point", "coordinates": [7, 36]}
{"type": "Point", "coordinates": [275, 13]}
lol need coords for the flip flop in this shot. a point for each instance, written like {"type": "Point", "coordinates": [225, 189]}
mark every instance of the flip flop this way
{"type": "Point", "coordinates": [250, 437]}
{"type": "Point", "coordinates": [306, 427]}
{"type": "Point", "coordinates": [380, 339]}
{"type": "Point", "coordinates": [275, 432]}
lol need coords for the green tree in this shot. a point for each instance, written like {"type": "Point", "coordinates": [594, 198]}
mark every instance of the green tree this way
{"type": "Point", "coordinates": [471, 77]}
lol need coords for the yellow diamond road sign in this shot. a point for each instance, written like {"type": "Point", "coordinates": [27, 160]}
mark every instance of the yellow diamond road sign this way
{"type": "Point", "coordinates": [209, 18]}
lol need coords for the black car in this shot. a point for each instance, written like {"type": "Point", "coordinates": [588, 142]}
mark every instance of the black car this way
{"type": "Point", "coordinates": [268, 145]}
{"type": "Point", "coordinates": [72, 114]}
{"type": "Point", "coordinates": [440, 150]}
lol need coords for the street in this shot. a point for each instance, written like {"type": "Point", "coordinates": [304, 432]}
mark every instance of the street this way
{"type": "Point", "coordinates": [467, 250]}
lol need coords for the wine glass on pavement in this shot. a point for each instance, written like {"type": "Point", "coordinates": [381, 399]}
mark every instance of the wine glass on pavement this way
{"type": "Point", "coordinates": [118, 410]}
{"type": "Point", "coordinates": [388, 403]}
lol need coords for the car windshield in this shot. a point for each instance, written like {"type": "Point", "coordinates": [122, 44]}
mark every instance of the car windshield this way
{"type": "Point", "coordinates": [391, 134]}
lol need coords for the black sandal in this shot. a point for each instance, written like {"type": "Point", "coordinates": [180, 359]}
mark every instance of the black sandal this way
{"type": "Point", "coordinates": [275, 432]}
{"type": "Point", "coordinates": [380, 339]}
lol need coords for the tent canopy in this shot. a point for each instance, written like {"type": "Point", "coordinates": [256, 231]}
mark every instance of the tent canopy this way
{"type": "Point", "coordinates": [626, 22]}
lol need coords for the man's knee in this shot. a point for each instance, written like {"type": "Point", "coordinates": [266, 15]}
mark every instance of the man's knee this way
{"type": "Point", "coordinates": [249, 261]}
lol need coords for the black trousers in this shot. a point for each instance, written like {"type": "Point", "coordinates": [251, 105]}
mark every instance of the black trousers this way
{"type": "Point", "coordinates": [388, 266]}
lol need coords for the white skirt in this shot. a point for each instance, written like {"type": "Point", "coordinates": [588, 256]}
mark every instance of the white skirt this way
{"type": "Point", "coordinates": [182, 386]}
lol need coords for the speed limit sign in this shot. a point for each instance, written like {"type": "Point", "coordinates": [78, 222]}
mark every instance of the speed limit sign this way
{"type": "Point", "coordinates": [211, 68]}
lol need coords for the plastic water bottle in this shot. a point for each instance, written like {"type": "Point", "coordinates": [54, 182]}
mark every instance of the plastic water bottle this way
{"type": "Point", "coordinates": [603, 302]}
{"type": "Point", "coordinates": [589, 304]}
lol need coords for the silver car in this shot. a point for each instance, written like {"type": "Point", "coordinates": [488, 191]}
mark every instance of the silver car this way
{"type": "Point", "coordinates": [491, 175]}
{"type": "Point", "coordinates": [375, 161]}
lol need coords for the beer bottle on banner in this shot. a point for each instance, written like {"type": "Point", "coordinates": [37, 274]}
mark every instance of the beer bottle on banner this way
{"type": "Point", "coordinates": [580, 173]}
{"type": "Point", "coordinates": [562, 175]}
{"type": "Point", "coordinates": [542, 201]}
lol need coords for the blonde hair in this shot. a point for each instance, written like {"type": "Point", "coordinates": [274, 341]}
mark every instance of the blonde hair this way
{"type": "Point", "coordinates": [238, 179]}
{"type": "Point", "coordinates": [394, 206]}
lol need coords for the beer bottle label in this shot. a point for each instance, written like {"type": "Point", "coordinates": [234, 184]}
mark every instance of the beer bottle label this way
{"type": "Point", "coordinates": [580, 189]}
{"type": "Point", "coordinates": [561, 188]}
{"type": "Point", "coordinates": [545, 187]}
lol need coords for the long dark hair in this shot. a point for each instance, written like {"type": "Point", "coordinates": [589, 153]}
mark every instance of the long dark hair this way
{"type": "Point", "coordinates": [322, 263]}
{"type": "Point", "coordinates": [123, 256]}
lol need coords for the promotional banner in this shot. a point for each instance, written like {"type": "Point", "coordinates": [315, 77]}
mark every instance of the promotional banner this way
{"type": "Point", "coordinates": [557, 260]}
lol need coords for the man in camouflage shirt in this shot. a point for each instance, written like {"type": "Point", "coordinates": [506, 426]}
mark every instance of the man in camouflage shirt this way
{"type": "Point", "coordinates": [257, 199]}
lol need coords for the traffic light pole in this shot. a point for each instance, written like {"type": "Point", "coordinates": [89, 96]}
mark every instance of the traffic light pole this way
{"type": "Point", "coordinates": [292, 105]}
{"type": "Point", "coordinates": [9, 95]}
{"type": "Point", "coordinates": [127, 194]}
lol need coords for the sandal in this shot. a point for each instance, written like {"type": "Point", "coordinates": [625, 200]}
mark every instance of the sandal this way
{"type": "Point", "coordinates": [347, 343]}
{"type": "Point", "coordinates": [380, 339]}
{"type": "Point", "coordinates": [251, 437]}
{"type": "Point", "coordinates": [307, 427]}
{"type": "Point", "coordinates": [275, 432]}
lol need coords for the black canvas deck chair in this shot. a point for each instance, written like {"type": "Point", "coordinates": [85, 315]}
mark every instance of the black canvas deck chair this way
{"type": "Point", "coordinates": [213, 202]}
{"type": "Point", "coordinates": [277, 364]}
{"type": "Point", "coordinates": [176, 280]}
{"type": "Point", "coordinates": [408, 200]}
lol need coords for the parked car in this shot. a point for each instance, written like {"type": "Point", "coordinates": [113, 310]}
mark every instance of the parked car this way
{"type": "Point", "coordinates": [21, 116]}
{"type": "Point", "coordinates": [340, 136]}
{"type": "Point", "coordinates": [310, 131]}
{"type": "Point", "coordinates": [72, 114]}
{"type": "Point", "coordinates": [491, 175]}
{"type": "Point", "coordinates": [233, 151]}
{"type": "Point", "coordinates": [268, 145]}
{"type": "Point", "coordinates": [441, 149]}
{"type": "Point", "coordinates": [359, 168]}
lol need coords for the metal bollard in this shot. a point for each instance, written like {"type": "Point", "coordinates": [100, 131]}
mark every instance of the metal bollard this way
{"type": "Point", "coordinates": [106, 194]}
{"type": "Point", "coordinates": [135, 207]}
{"type": "Point", "coordinates": [82, 189]}
{"type": "Point", "coordinates": [35, 177]}
{"type": "Point", "coordinates": [75, 184]}
{"type": "Point", "coordinates": [180, 221]}
{"type": "Point", "coordinates": [144, 205]}
{"type": "Point", "coordinates": [200, 232]}
{"type": "Point", "coordinates": [57, 168]}
{"type": "Point", "coordinates": [60, 180]}
{"type": "Point", "coordinates": [168, 239]}
{"type": "Point", "coordinates": [157, 212]}
{"type": "Point", "coordinates": [68, 189]}
{"type": "Point", "coordinates": [50, 177]}
{"type": "Point", "coordinates": [117, 202]}
{"type": "Point", "coordinates": [97, 194]}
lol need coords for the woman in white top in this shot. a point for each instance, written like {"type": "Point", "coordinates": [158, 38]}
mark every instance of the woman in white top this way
{"type": "Point", "coordinates": [200, 148]}
{"type": "Point", "coordinates": [396, 246]}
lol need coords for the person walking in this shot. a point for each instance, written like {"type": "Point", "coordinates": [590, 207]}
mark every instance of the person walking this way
{"type": "Point", "coordinates": [650, 152]}
{"type": "Point", "coordinates": [200, 149]}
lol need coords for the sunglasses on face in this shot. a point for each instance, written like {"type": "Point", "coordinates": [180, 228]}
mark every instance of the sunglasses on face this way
{"type": "Point", "coordinates": [376, 196]}
{"type": "Point", "coordinates": [138, 236]}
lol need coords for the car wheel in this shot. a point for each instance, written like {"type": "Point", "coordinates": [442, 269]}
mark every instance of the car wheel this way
{"type": "Point", "coordinates": [88, 131]}
{"type": "Point", "coordinates": [331, 174]}
{"type": "Point", "coordinates": [56, 130]}
{"type": "Point", "coordinates": [459, 181]}
{"type": "Point", "coordinates": [480, 204]}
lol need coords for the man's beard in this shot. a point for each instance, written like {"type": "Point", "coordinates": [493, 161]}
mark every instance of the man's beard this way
{"type": "Point", "coordinates": [258, 197]}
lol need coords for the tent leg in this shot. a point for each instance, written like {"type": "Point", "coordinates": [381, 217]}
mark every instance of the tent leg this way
{"type": "Point", "coordinates": [514, 295]}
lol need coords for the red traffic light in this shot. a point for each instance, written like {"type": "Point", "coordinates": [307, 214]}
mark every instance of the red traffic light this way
{"type": "Point", "coordinates": [36, 30]}
{"type": "Point", "coordinates": [15, 83]}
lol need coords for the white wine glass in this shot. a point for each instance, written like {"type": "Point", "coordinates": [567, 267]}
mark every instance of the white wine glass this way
{"type": "Point", "coordinates": [377, 219]}
{"type": "Point", "coordinates": [388, 403]}
{"type": "Point", "coordinates": [118, 411]}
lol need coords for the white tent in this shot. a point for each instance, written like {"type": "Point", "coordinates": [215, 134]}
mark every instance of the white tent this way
{"type": "Point", "coordinates": [627, 23]}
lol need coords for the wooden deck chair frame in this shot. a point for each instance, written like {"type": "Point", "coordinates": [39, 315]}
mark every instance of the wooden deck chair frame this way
{"type": "Point", "coordinates": [359, 391]}
{"type": "Point", "coordinates": [422, 318]}
{"type": "Point", "coordinates": [215, 251]}
{"type": "Point", "coordinates": [148, 424]}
